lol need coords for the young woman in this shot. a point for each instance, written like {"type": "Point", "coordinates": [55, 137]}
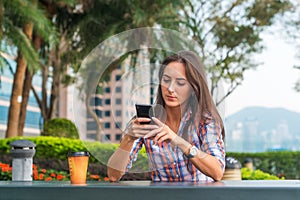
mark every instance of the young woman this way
{"type": "Point", "coordinates": [185, 142]}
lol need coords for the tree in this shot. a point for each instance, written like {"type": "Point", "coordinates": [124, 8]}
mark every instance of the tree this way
{"type": "Point", "coordinates": [100, 20]}
{"type": "Point", "coordinates": [26, 90]}
{"type": "Point", "coordinates": [50, 57]}
{"type": "Point", "coordinates": [19, 18]}
{"type": "Point", "coordinates": [52, 68]}
{"type": "Point", "coordinates": [229, 35]}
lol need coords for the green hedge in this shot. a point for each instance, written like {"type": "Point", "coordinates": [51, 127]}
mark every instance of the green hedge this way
{"type": "Point", "coordinates": [248, 174]}
{"type": "Point", "coordinates": [60, 127]}
{"type": "Point", "coordinates": [51, 152]}
{"type": "Point", "coordinates": [58, 147]}
{"type": "Point", "coordinates": [55, 149]}
{"type": "Point", "coordinates": [282, 163]}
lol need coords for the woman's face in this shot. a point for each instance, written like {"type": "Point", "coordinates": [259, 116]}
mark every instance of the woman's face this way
{"type": "Point", "coordinates": [175, 88]}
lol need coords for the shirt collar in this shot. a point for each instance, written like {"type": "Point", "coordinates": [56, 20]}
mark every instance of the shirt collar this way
{"type": "Point", "coordinates": [187, 115]}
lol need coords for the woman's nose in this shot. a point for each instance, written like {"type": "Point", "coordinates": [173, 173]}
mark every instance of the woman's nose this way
{"type": "Point", "coordinates": [171, 87]}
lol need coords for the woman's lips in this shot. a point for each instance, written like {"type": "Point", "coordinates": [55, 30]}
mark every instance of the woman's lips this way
{"type": "Point", "coordinates": [171, 98]}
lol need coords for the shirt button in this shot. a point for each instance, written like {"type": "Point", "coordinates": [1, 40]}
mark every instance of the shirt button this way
{"type": "Point", "coordinates": [174, 163]}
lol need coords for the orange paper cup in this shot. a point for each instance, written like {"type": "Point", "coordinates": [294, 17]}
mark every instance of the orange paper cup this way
{"type": "Point", "coordinates": [78, 164]}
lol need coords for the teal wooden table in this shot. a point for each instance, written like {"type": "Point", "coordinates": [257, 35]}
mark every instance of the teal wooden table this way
{"type": "Point", "coordinates": [144, 190]}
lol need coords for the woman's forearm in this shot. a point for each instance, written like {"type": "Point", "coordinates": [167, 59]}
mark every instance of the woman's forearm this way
{"type": "Point", "coordinates": [207, 164]}
{"type": "Point", "coordinates": [117, 163]}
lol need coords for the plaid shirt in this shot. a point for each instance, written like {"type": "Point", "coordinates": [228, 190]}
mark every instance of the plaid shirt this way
{"type": "Point", "coordinates": [170, 164]}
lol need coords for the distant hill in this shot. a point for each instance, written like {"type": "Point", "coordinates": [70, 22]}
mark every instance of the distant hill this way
{"type": "Point", "coordinates": [267, 118]}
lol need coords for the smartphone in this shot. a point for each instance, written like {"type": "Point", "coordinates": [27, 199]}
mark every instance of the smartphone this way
{"type": "Point", "coordinates": [144, 110]}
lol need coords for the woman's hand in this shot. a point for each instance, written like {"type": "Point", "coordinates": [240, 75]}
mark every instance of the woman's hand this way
{"type": "Point", "coordinates": [137, 130]}
{"type": "Point", "coordinates": [161, 133]}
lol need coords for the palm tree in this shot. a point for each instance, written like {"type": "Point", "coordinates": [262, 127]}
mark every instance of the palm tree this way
{"type": "Point", "coordinates": [19, 20]}
{"type": "Point", "coordinates": [50, 54]}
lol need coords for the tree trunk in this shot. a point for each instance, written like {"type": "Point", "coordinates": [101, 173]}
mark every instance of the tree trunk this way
{"type": "Point", "coordinates": [52, 111]}
{"type": "Point", "coordinates": [16, 98]}
{"type": "Point", "coordinates": [44, 101]}
{"type": "Point", "coordinates": [25, 97]}
{"type": "Point", "coordinates": [58, 72]}
{"type": "Point", "coordinates": [26, 91]}
{"type": "Point", "coordinates": [16, 94]}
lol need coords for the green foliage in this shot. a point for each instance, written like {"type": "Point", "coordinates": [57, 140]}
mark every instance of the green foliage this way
{"type": "Point", "coordinates": [53, 151]}
{"type": "Point", "coordinates": [60, 127]}
{"type": "Point", "coordinates": [230, 35]}
{"type": "Point", "coordinates": [58, 148]}
{"type": "Point", "coordinates": [16, 15]}
{"type": "Point", "coordinates": [282, 163]}
{"type": "Point", "coordinates": [42, 174]}
{"type": "Point", "coordinates": [248, 174]}
{"type": "Point", "coordinates": [101, 152]}
{"type": "Point", "coordinates": [47, 147]}
{"type": "Point", "coordinates": [268, 164]}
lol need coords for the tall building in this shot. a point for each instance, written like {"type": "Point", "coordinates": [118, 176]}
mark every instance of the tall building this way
{"type": "Point", "coordinates": [115, 102]}
{"type": "Point", "coordinates": [251, 136]}
{"type": "Point", "coordinates": [68, 104]}
{"type": "Point", "coordinates": [234, 140]}
{"type": "Point", "coordinates": [284, 139]}
{"type": "Point", "coordinates": [114, 105]}
{"type": "Point", "coordinates": [34, 119]}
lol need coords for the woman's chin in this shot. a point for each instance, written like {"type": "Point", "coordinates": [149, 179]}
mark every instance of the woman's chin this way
{"type": "Point", "coordinates": [172, 104]}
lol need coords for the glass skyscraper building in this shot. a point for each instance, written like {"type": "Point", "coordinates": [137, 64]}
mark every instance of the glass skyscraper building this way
{"type": "Point", "coordinates": [34, 120]}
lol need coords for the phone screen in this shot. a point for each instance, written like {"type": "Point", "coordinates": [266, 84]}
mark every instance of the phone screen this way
{"type": "Point", "coordinates": [143, 110]}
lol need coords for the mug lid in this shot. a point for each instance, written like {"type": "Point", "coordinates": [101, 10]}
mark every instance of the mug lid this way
{"type": "Point", "coordinates": [78, 153]}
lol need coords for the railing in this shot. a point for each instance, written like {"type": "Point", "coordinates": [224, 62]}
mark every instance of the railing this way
{"type": "Point", "coordinates": [144, 190]}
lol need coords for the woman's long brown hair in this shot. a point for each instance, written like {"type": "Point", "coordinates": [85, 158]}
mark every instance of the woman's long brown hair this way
{"type": "Point", "coordinates": [201, 99]}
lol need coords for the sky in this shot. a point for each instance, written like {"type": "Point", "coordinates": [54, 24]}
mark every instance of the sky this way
{"type": "Point", "coordinates": [271, 84]}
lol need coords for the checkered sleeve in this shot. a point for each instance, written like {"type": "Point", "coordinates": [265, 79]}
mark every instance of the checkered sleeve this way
{"type": "Point", "coordinates": [212, 141]}
{"type": "Point", "coordinates": [137, 145]}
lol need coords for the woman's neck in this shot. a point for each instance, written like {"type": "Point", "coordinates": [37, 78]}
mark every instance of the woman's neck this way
{"type": "Point", "coordinates": [174, 116]}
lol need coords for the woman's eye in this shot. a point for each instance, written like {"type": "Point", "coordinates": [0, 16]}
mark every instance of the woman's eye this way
{"type": "Point", "coordinates": [166, 80]}
{"type": "Point", "coordinates": [181, 83]}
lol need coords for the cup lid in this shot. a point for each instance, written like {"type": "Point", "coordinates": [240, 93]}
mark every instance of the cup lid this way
{"type": "Point", "coordinates": [78, 153]}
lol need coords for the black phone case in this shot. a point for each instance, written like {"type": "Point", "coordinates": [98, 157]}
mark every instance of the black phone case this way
{"type": "Point", "coordinates": [143, 110]}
